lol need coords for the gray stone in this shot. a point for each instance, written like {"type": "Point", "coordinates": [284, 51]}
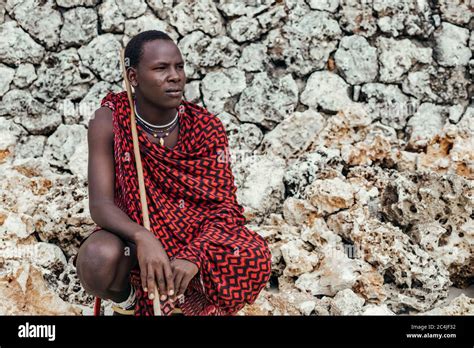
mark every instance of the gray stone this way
{"type": "Point", "coordinates": [456, 11]}
{"type": "Point", "coordinates": [357, 60]}
{"type": "Point", "coordinates": [248, 8]}
{"type": "Point", "coordinates": [389, 104]}
{"type": "Point", "coordinates": [358, 18]}
{"type": "Point", "coordinates": [272, 18]}
{"type": "Point", "coordinates": [102, 56]}
{"type": "Point", "coordinates": [41, 22]}
{"type": "Point", "coordinates": [452, 45]}
{"type": "Point", "coordinates": [397, 57]}
{"type": "Point", "coordinates": [132, 9]}
{"type": "Point", "coordinates": [246, 137]}
{"type": "Point", "coordinates": [111, 17]}
{"type": "Point", "coordinates": [412, 18]}
{"type": "Point", "coordinates": [244, 29]}
{"type": "Point", "coordinates": [6, 77]}
{"type": "Point", "coordinates": [220, 86]}
{"type": "Point", "coordinates": [25, 75]}
{"type": "Point", "coordinates": [324, 5]}
{"type": "Point", "coordinates": [254, 58]}
{"type": "Point", "coordinates": [294, 134]}
{"type": "Point", "coordinates": [32, 146]}
{"type": "Point", "coordinates": [197, 15]}
{"type": "Point", "coordinates": [29, 112]}
{"type": "Point", "coordinates": [161, 8]}
{"type": "Point", "coordinates": [65, 149]}
{"type": "Point", "coordinates": [267, 101]}
{"type": "Point", "coordinates": [201, 53]}
{"type": "Point", "coordinates": [80, 26]}
{"type": "Point", "coordinates": [327, 90]}
{"type": "Point", "coordinates": [425, 124]}
{"type": "Point", "coordinates": [74, 3]}
{"type": "Point", "coordinates": [192, 91]}
{"type": "Point", "coordinates": [17, 46]}
{"type": "Point", "coordinates": [62, 75]}
{"type": "Point", "coordinates": [147, 21]}
{"type": "Point", "coordinates": [346, 302]}
{"type": "Point", "coordinates": [260, 193]}
{"type": "Point", "coordinates": [305, 42]}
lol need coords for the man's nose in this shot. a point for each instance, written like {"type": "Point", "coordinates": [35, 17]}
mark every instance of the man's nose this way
{"type": "Point", "coordinates": [174, 75]}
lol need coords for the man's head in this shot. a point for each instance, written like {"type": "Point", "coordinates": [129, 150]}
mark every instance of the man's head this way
{"type": "Point", "coordinates": [155, 67]}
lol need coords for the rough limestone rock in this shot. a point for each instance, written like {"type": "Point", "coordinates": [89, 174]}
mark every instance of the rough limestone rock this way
{"type": "Point", "coordinates": [305, 42]}
{"type": "Point", "coordinates": [80, 26]}
{"type": "Point", "coordinates": [41, 22]}
{"type": "Point", "coordinates": [435, 212]}
{"type": "Point", "coordinates": [457, 12]}
{"type": "Point", "coordinates": [335, 273]}
{"type": "Point", "coordinates": [29, 112]}
{"type": "Point", "coordinates": [294, 134]}
{"type": "Point", "coordinates": [357, 59]}
{"type": "Point", "coordinates": [346, 302]}
{"type": "Point", "coordinates": [350, 129]}
{"type": "Point", "coordinates": [17, 46]}
{"type": "Point", "coordinates": [63, 151]}
{"type": "Point", "coordinates": [219, 87]}
{"type": "Point", "coordinates": [197, 15]}
{"type": "Point", "coordinates": [254, 58]}
{"type": "Point", "coordinates": [327, 90]}
{"type": "Point", "coordinates": [267, 101]}
{"type": "Point", "coordinates": [357, 17]}
{"type": "Point", "coordinates": [412, 18]}
{"type": "Point", "coordinates": [201, 52]}
{"type": "Point", "coordinates": [102, 56]}
{"type": "Point", "coordinates": [6, 77]}
{"type": "Point", "coordinates": [330, 195]}
{"type": "Point", "coordinates": [397, 57]}
{"type": "Point", "coordinates": [62, 75]}
{"type": "Point", "coordinates": [425, 124]}
{"type": "Point", "coordinates": [270, 189]}
{"type": "Point", "coordinates": [24, 292]}
{"type": "Point", "coordinates": [25, 75]}
{"type": "Point", "coordinates": [297, 259]}
{"type": "Point", "coordinates": [452, 45]}
{"type": "Point", "coordinates": [461, 305]}
{"type": "Point", "coordinates": [389, 104]}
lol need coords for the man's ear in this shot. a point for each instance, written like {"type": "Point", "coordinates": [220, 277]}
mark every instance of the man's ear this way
{"type": "Point", "coordinates": [132, 77]}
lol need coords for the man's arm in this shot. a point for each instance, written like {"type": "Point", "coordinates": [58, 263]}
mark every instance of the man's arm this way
{"type": "Point", "coordinates": [101, 176]}
{"type": "Point", "coordinates": [152, 258]}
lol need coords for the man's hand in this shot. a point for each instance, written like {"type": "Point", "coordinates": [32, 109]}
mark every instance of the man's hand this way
{"type": "Point", "coordinates": [183, 272]}
{"type": "Point", "coordinates": [155, 268]}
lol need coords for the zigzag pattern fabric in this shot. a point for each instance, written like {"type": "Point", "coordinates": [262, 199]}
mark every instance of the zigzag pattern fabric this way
{"type": "Point", "coordinates": [193, 210]}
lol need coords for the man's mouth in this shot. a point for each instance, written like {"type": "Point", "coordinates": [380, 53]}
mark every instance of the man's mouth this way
{"type": "Point", "coordinates": [174, 92]}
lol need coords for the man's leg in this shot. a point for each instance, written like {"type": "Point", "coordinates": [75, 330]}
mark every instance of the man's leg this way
{"type": "Point", "coordinates": [103, 265]}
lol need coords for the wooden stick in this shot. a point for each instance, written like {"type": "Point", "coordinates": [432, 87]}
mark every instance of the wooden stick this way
{"type": "Point", "coordinates": [138, 162]}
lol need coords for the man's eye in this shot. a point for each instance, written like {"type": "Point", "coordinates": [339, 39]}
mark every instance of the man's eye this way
{"type": "Point", "coordinates": [160, 67]}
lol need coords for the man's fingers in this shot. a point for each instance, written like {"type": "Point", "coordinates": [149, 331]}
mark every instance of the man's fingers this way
{"type": "Point", "coordinates": [168, 273]}
{"type": "Point", "coordinates": [161, 282]}
{"type": "Point", "coordinates": [151, 283]}
{"type": "Point", "coordinates": [143, 274]}
{"type": "Point", "coordinates": [177, 282]}
{"type": "Point", "coordinates": [184, 284]}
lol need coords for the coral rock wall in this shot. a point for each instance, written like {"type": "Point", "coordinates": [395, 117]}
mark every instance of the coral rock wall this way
{"type": "Point", "coordinates": [351, 132]}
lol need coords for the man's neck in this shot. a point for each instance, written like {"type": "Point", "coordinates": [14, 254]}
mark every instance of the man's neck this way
{"type": "Point", "coordinates": [153, 114]}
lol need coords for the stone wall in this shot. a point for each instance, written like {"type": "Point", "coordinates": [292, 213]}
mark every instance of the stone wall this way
{"type": "Point", "coordinates": [350, 127]}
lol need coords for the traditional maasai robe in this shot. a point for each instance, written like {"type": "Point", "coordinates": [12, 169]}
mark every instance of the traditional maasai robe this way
{"type": "Point", "coordinates": [193, 210]}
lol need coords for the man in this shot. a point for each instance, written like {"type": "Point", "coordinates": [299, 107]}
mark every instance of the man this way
{"type": "Point", "coordinates": [198, 253]}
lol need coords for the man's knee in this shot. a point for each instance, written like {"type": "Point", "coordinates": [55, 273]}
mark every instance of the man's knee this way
{"type": "Point", "coordinates": [97, 261]}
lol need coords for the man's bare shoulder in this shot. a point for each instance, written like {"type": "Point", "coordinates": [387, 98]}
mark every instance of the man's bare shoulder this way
{"type": "Point", "coordinates": [101, 122]}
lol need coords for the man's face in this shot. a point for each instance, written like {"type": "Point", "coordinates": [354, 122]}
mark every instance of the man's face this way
{"type": "Point", "coordinates": [160, 70]}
